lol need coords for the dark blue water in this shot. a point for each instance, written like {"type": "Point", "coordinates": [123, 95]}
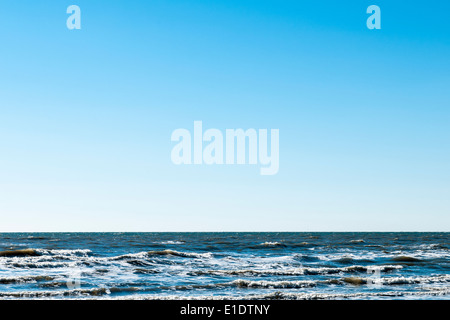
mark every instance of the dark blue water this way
{"type": "Point", "coordinates": [224, 265]}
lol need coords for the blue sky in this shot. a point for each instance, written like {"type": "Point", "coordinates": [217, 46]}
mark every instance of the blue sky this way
{"type": "Point", "coordinates": [86, 115]}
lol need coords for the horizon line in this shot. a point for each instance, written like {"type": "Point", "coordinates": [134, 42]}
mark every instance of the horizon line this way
{"type": "Point", "coordinates": [350, 231]}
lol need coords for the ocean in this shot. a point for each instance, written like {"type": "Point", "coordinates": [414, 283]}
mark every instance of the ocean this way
{"type": "Point", "coordinates": [250, 266]}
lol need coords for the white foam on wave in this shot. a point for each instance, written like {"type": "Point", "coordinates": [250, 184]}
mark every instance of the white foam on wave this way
{"type": "Point", "coordinates": [138, 255]}
{"type": "Point", "coordinates": [64, 252]}
{"type": "Point", "coordinates": [170, 242]}
{"type": "Point", "coordinates": [357, 241]}
{"type": "Point", "coordinates": [296, 296]}
{"type": "Point", "coordinates": [55, 294]}
{"type": "Point", "coordinates": [299, 271]}
{"type": "Point", "coordinates": [416, 280]}
{"type": "Point", "coordinates": [163, 253]}
{"type": "Point", "coordinates": [168, 252]}
{"type": "Point", "coordinates": [273, 284]}
{"type": "Point", "coordinates": [271, 244]}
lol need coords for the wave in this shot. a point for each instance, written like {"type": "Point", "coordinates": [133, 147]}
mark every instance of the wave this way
{"type": "Point", "coordinates": [309, 283]}
{"type": "Point", "coordinates": [357, 241]}
{"type": "Point", "coordinates": [349, 260]}
{"type": "Point", "coordinates": [57, 293]}
{"type": "Point", "coordinates": [19, 253]}
{"type": "Point", "coordinates": [271, 244]}
{"type": "Point", "coordinates": [105, 293]}
{"type": "Point", "coordinates": [171, 242]}
{"type": "Point", "coordinates": [24, 279]}
{"type": "Point", "coordinates": [405, 259]}
{"type": "Point", "coordinates": [296, 296]}
{"type": "Point", "coordinates": [296, 271]}
{"type": "Point", "coordinates": [43, 264]}
{"type": "Point", "coordinates": [145, 271]}
{"type": "Point", "coordinates": [276, 244]}
{"type": "Point", "coordinates": [248, 272]}
{"type": "Point", "coordinates": [415, 280]}
{"type": "Point", "coordinates": [139, 255]}
{"type": "Point", "coordinates": [44, 252]}
{"type": "Point", "coordinates": [303, 244]}
{"type": "Point", "coordinates": [252, 284]}
{"type": "Point", "coordinates": [156, 253]}
{"type": "Point", "coordinates": [65, 252]}
{"type": "Point", "coordinates": [168, 252]}
{"type": "Point", "coordinates": [399, 280]}
{"type": "Point", "coordinates": [35, 238]}
{"type": "Point", "coordinates": [242, 283]}
{"type": "Point", "coordinates": [335, 296]}
{"type": "Point", "coordinates": [273, 284]}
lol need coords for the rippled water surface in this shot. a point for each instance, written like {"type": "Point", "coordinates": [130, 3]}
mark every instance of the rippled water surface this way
{"type": "Point", "coordinates": [224, 265]}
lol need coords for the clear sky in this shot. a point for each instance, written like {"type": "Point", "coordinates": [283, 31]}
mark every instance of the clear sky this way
{"type": "Point", "coordinates": [86, 115]}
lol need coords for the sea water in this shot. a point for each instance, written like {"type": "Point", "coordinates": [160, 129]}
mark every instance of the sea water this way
{"type": "Point", "coordinates": [224, 266]}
